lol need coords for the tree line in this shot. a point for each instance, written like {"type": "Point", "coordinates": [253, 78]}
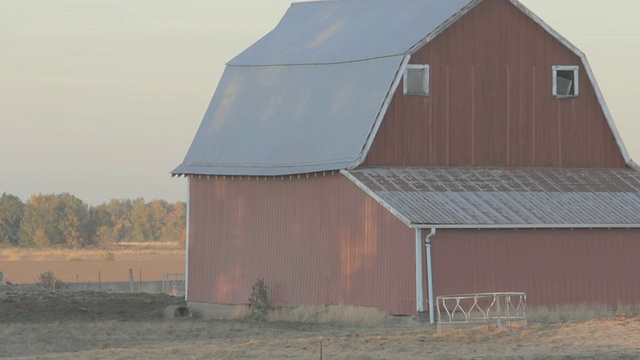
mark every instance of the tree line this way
{"type": "Point", "coordinates": [63, 220]}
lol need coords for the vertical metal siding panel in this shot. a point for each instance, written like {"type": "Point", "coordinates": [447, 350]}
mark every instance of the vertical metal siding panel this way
{"type": "Point", "coordinates": [439, 124]}
{"type": "Point", "coordinates": [554, 267]}
{"type": "Point", "coordinates": [195, 242]}
{"type": "Point", "coordinates": [191, 237]}
{"type": "Point", "coordinates": [522, 76]}
{"type": "Point", "coordinates": [315, 241]}
{"type": "Point", "coordinates": [492, 37]}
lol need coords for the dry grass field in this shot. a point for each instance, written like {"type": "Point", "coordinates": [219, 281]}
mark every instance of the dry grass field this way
{"type": "Point", "coordinates": [22, 266]}
{"type": "Point", "coordinates": [88, 325]}
{"type": "Point", "coordinates": [39, 324]}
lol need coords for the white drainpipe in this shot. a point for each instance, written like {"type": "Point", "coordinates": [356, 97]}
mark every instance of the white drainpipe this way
{"type": "Point", "coordinates": [419, 290]}
{"type": "Point", "coordinates": [430, 277]}
{"type": "Point", "coordinates": [186, 270]}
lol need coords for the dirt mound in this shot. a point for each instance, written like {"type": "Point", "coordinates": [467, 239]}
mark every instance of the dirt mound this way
{"type": "Point", "coordinates": [37, 305]}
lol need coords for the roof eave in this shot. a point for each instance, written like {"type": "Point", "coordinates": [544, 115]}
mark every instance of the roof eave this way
{"type": "Point", "coordinates": [522, 226]}
{"type": "Point", "coordinates": [259, 171]}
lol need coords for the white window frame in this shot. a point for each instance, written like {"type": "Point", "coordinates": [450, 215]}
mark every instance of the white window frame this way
{"type": "Point", "coordinates": [576, 80]}
{"type": "Point", "coordinates": [425, 84]}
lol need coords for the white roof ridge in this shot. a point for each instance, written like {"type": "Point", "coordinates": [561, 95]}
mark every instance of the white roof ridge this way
{"type": "Point", "coordinates": [319, 63]}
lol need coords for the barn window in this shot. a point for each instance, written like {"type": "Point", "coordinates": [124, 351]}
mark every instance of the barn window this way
{"type": "Point", "coordinates": [565, 81]}
{"type": "Point", "coordinates": [416, 80]}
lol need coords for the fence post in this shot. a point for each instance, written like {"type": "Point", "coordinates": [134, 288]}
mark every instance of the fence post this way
{"type": "Point", "coordinates": [499, 315]}
{"type": "Point", "coordinates": [131, 280]}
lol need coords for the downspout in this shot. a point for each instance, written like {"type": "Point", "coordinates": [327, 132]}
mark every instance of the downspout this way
{"type": "Point", "coordinates": [419, 289]}
{"type": "Point", "coordinates": [186, 270]}
{"type": "Point", "coordinates": [430, 277]}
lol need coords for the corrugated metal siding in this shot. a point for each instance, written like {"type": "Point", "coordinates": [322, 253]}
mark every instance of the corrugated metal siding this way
{"type": "Point", "coordinates": [491, 102]}
{"type": "Point", "coordinates": [506, 197]}
{"type": "Point", "coordinates": [315, 241]}
{"type": "Point", "coordinates": [554, 267]}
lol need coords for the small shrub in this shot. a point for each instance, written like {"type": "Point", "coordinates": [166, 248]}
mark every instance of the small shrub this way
{"type": "Point", "coordinates": [259, 300]}
{"type": "Point", "coordinates": [48, 280]}
{"type": "Point", "coordinates": [75, 258]}
{"type": "Point", "coordinates": [108, 256]}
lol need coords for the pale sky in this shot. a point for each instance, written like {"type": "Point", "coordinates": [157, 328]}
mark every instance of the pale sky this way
{"type": "Point", "coordinates": [101, 98]}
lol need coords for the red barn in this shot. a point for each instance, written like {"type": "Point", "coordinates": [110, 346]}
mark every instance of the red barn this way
{"type": "Point", "coordinates": [359, 131]}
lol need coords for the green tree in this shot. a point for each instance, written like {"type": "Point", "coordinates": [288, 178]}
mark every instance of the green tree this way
{"type": "Point", "coordinates": [120, 211]}
{"type": "Point", "coordinates": [39, 218]}
{"type": "Point", "coordinates": [40, 239]}
{"type": "Point", "coordinates": [159, 213]}
{"type": "Point", "coordinates": [174, 228]}
{"type": "Point", "coordinates": [73, 219]}
{"type": "Point", "coordinates": [65, 220]}
{"type": "Point", "coordinates": [11, 212]}
{"type": "Point", "coordinates": [140, 222]}
{"type": "Point", "coordinates": [148, 220]}
{"type": "Point", "coordinates": [62, 219]}
{"type": "Point", "coordinates": [114, 216]}
{"type": "Point", "coordinates": [106, 236]}
{"type": "Point", "coordinates": [98, 217]}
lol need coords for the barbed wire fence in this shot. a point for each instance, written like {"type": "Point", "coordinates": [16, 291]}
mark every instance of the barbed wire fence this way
{"type": "Point", "coordinates": [171, 283]}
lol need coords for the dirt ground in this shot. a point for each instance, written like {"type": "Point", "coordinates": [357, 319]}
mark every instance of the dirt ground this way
{"type": "Point", "coordinates": [92, 325]}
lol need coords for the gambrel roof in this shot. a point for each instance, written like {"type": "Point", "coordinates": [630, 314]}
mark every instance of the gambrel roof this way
{"type": "Point", "coordinates": [332, 32]}
{"type": "Point", "coordinates": [311, 94]}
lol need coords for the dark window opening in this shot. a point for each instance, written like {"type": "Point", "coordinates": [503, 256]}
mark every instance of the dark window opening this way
{"type": "Point", "coordinates": [416, 80]}
{"type": "Point", "coordinates": [565, 81]}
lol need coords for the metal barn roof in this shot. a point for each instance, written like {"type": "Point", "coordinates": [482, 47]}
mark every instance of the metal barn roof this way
{"type": "Point", "coordinates": [311, 94]}
{"type": "Point", "coordinates": [287, 120]}
{"type": "Point", "coordinates": [505, 198]}
{"type": "Point", "coordinates": [307, 96]}
{"type": "Point", "coordinates": [322, 32]}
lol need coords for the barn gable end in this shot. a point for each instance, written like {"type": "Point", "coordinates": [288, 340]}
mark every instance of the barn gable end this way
{"type": "Point", "coordinates": [491, 101]}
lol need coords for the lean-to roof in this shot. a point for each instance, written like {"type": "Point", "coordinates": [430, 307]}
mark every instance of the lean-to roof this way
{"type": "Point", "coordinates": [506, 198]}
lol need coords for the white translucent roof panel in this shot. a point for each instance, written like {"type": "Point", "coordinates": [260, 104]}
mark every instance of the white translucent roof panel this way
{"type": "Point", "coordinates": [322, 32]}
{"type": "Point", "coordinates": [280, 120]}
